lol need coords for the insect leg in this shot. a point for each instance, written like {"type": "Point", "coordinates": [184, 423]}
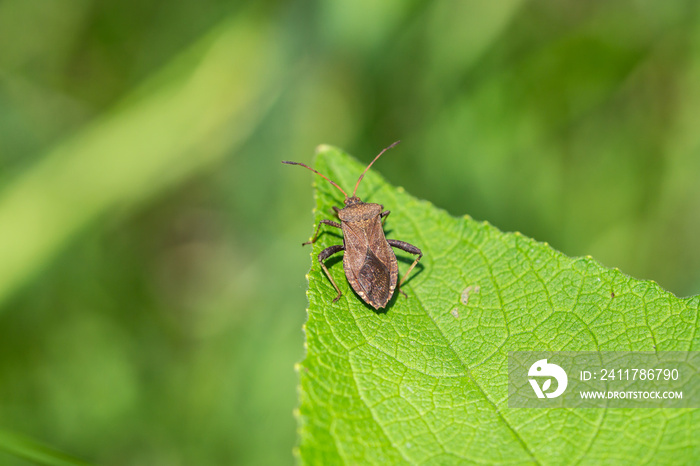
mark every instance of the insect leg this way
{"type": "Point", "coordinates": [384, 215]}
{"type": "Point", "coordinates": [408, 248]}
{"type": "Point", "coordinates": [327, 222]}
{"type": "Point", "coordinates": [325, 254]}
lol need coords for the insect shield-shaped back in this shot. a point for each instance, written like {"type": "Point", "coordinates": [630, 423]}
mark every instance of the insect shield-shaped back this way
{"type": "Point", "coordinates": [369, 262]}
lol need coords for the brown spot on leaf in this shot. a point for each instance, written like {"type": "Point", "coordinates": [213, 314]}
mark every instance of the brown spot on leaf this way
{"type": "Point", "coordinates": [471, 289]}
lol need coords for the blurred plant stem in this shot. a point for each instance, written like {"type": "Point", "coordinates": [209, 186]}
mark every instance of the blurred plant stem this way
{"type": "Point", "coordinates": [24, 447]}
{"type": "Point", "coordinates": [184, 120]}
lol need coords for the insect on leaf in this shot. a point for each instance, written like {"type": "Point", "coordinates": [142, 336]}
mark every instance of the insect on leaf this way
{"type": "Point", "coordinates": [426, 380]}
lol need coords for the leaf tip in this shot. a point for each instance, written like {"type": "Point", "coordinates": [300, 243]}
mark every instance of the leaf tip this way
{"type": "Point", "coordinates": [323, 148]}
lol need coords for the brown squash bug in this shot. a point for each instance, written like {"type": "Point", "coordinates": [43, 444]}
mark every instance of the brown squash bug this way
{"type": "Point", "coordinates": [369, 262]}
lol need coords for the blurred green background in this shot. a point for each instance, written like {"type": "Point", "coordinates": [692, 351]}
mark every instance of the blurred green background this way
{"type": "Point", "coordinates": [151, 275]}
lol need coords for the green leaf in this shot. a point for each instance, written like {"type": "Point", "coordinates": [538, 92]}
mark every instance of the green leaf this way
{"type": "Point", "coordinates": [425, 380]}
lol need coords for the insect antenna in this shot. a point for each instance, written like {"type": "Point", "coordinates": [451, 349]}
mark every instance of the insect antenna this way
{"type": "Point", "coordinates": [370, 164]}
{"type": "Point", "coordinates": [320, 174]}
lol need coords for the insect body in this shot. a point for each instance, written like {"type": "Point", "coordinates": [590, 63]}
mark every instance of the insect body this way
{"type": "Point", "coordinates": [369, 262]}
